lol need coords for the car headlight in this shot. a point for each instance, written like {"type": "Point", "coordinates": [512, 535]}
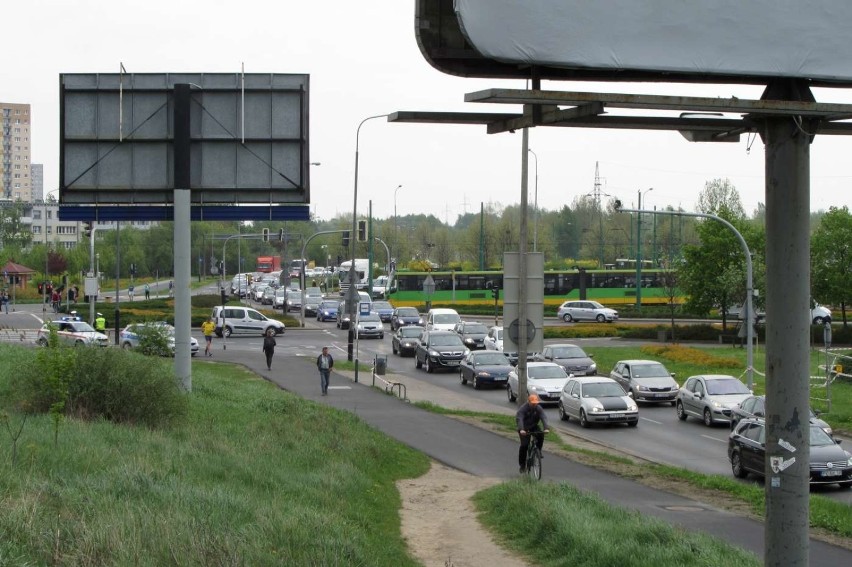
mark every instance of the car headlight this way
{"type": "Point", "coordinates": [593, 367]}
{"type": "Point", "coordinates": [483, 374]}
{"type": "Point", "coordinates": [642, 388]}
{"type": "Point", "coordinates": [469, 341]}
{"type": "Point", "coordinates": [632, 407]}
{"type": "Point", "coordinates": [827, 429]}
{"type": "Point", "coordinates": [849, 462]}
{"type": "Point", "coordinates": [597, 409]}
{"type": "Point", "coordinates": [434, 353]}
{"type": "Point", "coordinates": [717, 405]}
{"type": "Point", "coordinates": [466, 352]}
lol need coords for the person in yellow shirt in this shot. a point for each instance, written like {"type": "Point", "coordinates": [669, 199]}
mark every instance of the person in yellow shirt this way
{"type": "Point", "coordinates": [207, 327]}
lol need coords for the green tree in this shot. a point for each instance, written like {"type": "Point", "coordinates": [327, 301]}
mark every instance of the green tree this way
{"type": "Point", "coordinates": [831, 259]}
{"type": "Point", "coordinates": [13, 232]}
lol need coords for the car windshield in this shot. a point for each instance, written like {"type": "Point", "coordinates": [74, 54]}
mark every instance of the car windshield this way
{"type": "Point", "coordinates": [407, 312]}
{"type": "Point", "coordinates": [409, 332]}
{"type": "Point", "coordinates": [649, 371]}
{"type": "Point", "coordinates": [725, 387]}
{"type": "Point", "coordinates": [492, 358]}
{"type": "Point", "coordinates": [568, 352]}
{"type": "Point", "coordinates": [445, 318]}
{"type": "Point", "coordinates": [447, 340]}
{"type": "Point", "coordinates": [500, 335]}
{"type": "Point", "coordinates": [372, 318]}
{"type": "Point", "coordinates": [478, 328]}
{"type": "Point", "coordinates": [381, 305]}
{"type": "Point", "coordinates": [329, 304]}
{"type": "Point", "coordinates": [602, 390]}
{"type": "Point", "coordinates": [545, 372]}
{"type": "Point", "coordinates": [819, 437]}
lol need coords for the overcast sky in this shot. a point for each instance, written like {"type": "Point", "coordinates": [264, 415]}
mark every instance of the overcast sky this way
{"type": "Point", "coordinates": [363, 60]}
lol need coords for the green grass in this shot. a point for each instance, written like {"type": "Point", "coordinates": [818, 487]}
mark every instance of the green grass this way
{"type": "Point", "coordinates": [840, 416]}
{"type": "Point", "coordinates": [556, 525]}
{"type": "Point", "coordinates": [255, 477]}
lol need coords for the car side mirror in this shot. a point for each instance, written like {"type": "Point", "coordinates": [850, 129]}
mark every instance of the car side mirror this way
{"type": "Point", "coordinates": [630, 394]}
{"type": "Point", "coordinates": [673, 374]}
{"type": "Point", "coordinates": [699, 395]}
{"type": "Point", "coordinates": [758, 414]}
{"type": "Point", "coordinates": [838, 441]}
{"type": "Point", "coordinates": [575, 396]}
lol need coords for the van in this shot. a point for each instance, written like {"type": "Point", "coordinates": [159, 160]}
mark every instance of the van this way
{"type": "Point", "coordinates": [232, 319]}
{"type": "Point", "coordinates": [442, 319]}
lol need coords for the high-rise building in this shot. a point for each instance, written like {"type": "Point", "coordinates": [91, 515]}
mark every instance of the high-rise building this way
{"type": "Point", "coordinates": [15, 182]}
{"type": "Point", "coordinates": [37, 177]}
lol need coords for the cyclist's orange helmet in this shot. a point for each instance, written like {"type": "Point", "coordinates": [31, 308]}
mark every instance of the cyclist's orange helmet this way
{"type": "Point", "coordinates": [533, 399]}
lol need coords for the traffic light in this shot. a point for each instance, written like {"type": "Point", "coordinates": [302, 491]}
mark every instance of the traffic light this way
{"type": "Point", "coordinates": [346, 239]}
{"type": "Point", "coordinates": [362, 231]}
{"type": "Point", "coordinates": [339, 259]}
{"type": "Point", "coordinates": [281, 235]}
{"type": "Point", "coordinates": [87, 229]}
{"type": "Point", "coordinates": [495, 293]}
{"type": "Point", "coordinates": [266, 235]}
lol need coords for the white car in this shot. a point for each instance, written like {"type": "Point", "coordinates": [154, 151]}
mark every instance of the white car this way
{"type": "Point", "coordinates": [597, 399]}
{"type": "Point", "coordinates": [232, 319]}
{"type": "Point", "coordinates": [130, 337]}
{"type": "Point", "coordinates": [546, 379]}
{"type": "Point", "coordinates": [74, 333]}
{"type": "Point", "coordinates": [586, 311]}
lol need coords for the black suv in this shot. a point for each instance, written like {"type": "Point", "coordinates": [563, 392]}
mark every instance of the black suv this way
{"type": "Point", "coordinates": [472, 333]}
{"type": "Point", "coordinates": [439, 349]}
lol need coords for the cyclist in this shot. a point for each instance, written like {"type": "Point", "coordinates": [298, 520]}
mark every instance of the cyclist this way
{"type": "Point", "coordinates": [528, 417]}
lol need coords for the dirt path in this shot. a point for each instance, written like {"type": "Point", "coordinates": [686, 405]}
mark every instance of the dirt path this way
{"type": "Point", "coordinates": [439, 521]}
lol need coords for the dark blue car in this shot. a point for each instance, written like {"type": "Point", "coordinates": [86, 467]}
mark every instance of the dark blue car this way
{"type": "Point", "coordinates": [384, 309]}
{"type": "Point", "coordinates": [327, 310]}
{"type": "Point", "coordinates": [403, 316]}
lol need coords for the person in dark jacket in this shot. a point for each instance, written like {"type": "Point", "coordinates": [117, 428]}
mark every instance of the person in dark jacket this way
{"type": "Point", "coordinates": [528, 417]}
{"type": "Point", "coordinates": [325, 363]}
{"type": "Point", "coordinates": [269, 349]}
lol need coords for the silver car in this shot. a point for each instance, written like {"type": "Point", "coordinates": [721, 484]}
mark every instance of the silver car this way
{"type": "Point", "coordinates": [586, 311]}
{"type": "Point", "coordinates": [597, 399]}
{"type": "Point", "coordinates": [645, 380]}
{"type": "Point", "coordinates": [570, 357]}
{"type": "Point", "coordinates": [710, 397]}
{"type": "Point", "coordinates": [546, 379]}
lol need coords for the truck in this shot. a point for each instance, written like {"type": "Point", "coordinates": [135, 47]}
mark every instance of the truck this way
{"type": "Point", "coordinates": [268, 264]}
{"type": "Point", "coordinates": [361, 281]}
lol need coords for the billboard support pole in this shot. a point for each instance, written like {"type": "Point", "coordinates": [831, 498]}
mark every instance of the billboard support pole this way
{"type": "Point", "coordinates": [182, 221]}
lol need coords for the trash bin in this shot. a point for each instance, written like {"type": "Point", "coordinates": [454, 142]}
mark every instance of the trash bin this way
{"type": "Point", "coordinates": [381, 365]}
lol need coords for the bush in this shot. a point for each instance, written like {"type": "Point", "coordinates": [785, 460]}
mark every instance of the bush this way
{"type": "Point", "coordinates": [103, 383]}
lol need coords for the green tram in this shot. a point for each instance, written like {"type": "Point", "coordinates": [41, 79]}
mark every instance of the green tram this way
{"type": "Point", "coordinates": [610, 287]}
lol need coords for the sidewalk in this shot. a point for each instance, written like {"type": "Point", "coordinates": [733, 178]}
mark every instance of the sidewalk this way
{"type": "Point", "coordinates": [482, 453]}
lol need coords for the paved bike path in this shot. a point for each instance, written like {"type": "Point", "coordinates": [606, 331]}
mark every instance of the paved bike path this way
{"type": "Point", "coordinates": [482, 453]}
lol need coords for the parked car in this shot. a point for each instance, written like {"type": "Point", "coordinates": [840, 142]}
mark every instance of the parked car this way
{"type": "Point", "coordinates": [312, 303]}
{"type": "Point", "coordinates": [645, 380]}
{"type": "Point", "coordinates": [439, 349]}
{"type": "Point", "coordinates": [482, 367]}
{"type": "Point", "coordinates": [232, 319]}
{"type": "Point", "coordinates": [370, 327]}
{"type": "Point", "coordinates": [327, 310]}
{"type": "Point", "coordinates": [472, 333]}
{"type": "Point", "coordinates": [384, 309]}
{"type": "Point", "coordinates": [131, 336]}
{"type": "Point", "coordinates": [543, 378]}
{"type": "Point", "coordinates": [73, 333]}
{"type": "Point", "coordinates": [828, 462]}
{"type": "Point", "coordinates": [402, 316]}
{"type": "Point", "coordinates": [586, 311]}
{"type": "Point", "coordinates": [755, 407]}
{"type": "Point", "coordinates": [710, 397]}
{"type": "Point", "coordinates": [404, 340]}
{"type": "Point", "coordinates": [597, 399]}
{"type": "Point", "coordinates": [570, 357]}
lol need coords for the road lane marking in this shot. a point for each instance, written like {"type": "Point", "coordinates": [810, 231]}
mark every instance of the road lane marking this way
{"type": "Point", "coordinates": [714, 439]}
{"type": "Point", "coordinates": [652, 421]}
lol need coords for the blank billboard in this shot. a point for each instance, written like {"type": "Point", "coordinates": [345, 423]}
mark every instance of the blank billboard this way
{"type": "Point", "coordinates": [754, 38]}
{"type": "Point", "coordinates": [248, 138]}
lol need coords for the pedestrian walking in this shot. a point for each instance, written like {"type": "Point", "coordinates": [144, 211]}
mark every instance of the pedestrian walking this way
{"type": "Point", "coordinates": [325, 363]}
{"type": "Point", "coordinates": [269, 349]}
{"type": "Point", "coordinates": [147, 292]}
{"type": "Point", "coordinates": [171, 288]}
{"type": "Point", "coordinates": [5, 300]}
{"type": "Point", "coordinates": [207, 327]}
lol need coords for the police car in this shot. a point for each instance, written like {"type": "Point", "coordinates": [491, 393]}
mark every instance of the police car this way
{"type": "Point", "coordinates": [72, 332]}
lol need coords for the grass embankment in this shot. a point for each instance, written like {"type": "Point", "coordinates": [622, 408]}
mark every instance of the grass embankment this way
{"type": "Point", "coordinates": [255, 476]}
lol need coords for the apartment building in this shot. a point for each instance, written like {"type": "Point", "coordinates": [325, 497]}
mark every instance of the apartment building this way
{"type": "Point", "coordinates": [15, 180]}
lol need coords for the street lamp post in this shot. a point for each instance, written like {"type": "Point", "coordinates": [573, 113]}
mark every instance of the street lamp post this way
{"type": "Point", "coordinates": [535, 205]}
{"type": "Point", "coordinates": [639, 250]}
{"type": "Point", "coordinates": [352, 294]}
{"type": "Point", "coordinates": [395, 224]}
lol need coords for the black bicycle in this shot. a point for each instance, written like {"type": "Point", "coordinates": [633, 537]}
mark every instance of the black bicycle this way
{"type": "Point", "coordinates": [533, 465]}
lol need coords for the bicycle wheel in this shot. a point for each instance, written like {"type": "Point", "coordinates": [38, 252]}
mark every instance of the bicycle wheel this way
{"type": "Point", "coordinates": [534, 463]}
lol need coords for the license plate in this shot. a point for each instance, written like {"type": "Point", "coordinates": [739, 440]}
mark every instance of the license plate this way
{"type": "Point", "coordinates": [452, 363]}
{"type": "Point", "coordinates": [832, 473]}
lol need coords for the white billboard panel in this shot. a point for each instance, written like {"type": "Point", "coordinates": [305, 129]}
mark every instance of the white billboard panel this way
{"type": "Point", "coordinates": [755, 38]}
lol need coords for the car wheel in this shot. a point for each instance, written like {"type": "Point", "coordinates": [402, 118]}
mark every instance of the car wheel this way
{"type": "Point", "coordinates": [417, 363]}
{"type": "Point", "coordinates": [462, 378]}
{"type": "Point", "coordinates": [429, 368]}
{"type": "Point", "coordinates": [673, 403]}
{"type": "Point", "coordinates": [512, 396]}
{"type": "Point", "coordinates": [476, 384]}
{"type": "Point", "coordinates": [567, 318]}
{"type": "Point", "coordinates": [737, 465]}
{"type": "Point", "coordinates": [563, 415]}
{"type": "Point", "coordinates": [601, 318]}
{"type": "Point", "coordinates": [227, 332]}
{"type": "Point", "coordinates": [708, 417]}
{"type": "Point", "coordinates": [681, 413]}
{"type": "Point", "coordinates": [819, 321]}
{"type": "Point", "coordinates": [583, 421]}
{"type": "Point", "coordinates": [382, 336]}
{"type": "Point", "coordinates": [126, 345]}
